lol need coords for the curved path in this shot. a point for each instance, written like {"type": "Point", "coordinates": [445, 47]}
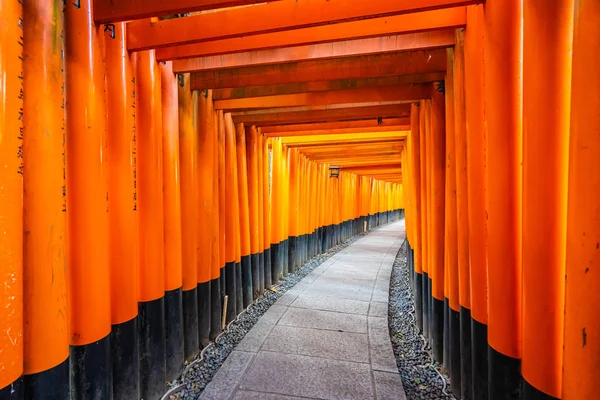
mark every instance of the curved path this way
{"type": "Point", "coordinates": [327, 337]}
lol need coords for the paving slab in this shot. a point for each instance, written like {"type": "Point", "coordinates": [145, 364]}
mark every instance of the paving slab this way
{"type": "Point", "coordinates": [327, 337]}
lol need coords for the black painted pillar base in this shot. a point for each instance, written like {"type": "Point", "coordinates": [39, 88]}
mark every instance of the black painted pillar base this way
{"type": "Point", "coordinates": [174, 333]}
{"type": "Point", "coordinates": [275, 262]}
{"type": "Point", "coordinates": [293, 253]}
{"type": "Point", "coordinates": [504, 376]}
{"type": "Point", "coordinates": [532, 393]}
{"type": "Point", "coordinates": [285, 264]}
{"type": "Point", "coordinates": [323, 237]}
{"type": "Point", "coordinates": [261, 273]}
{"type": "Point", "coordinates": [419, 300]}
{"type": "Point", "coordinates": [124, 350]}
{"type": "Point", "coordinates": [230, 291]}
{"type": "Point", "coordinates": [479, 349]}
{"type": "Point", "coordinates": [466, 371]}
{"type": "Point", "coordinates": [425, 304]}
{"type": "Point", "coordinates": [255, 265]}
{"type": "Point", "coordinates": [455, 350]}
{"type": "Point", "coordinates": [268, 267]}
{"type": "Point", "coordinates": [247, 288]}
{"type": "Point", "coordinates": [204, 306]}
{"type": "Point", "coordinates": [437, 329]}
{"type": "Point", "coordinates": [216, 309]}
{"type": "Point", "coordinates": [446, 338]}
{"type": "Point", "coordinates": [191, 342]}
{"type": "Point", "coordinates": [239, 302]}
{"type": "Point", "coordinates": [50, 384]}
{"type": "Point", "coordinates": [91, 371]}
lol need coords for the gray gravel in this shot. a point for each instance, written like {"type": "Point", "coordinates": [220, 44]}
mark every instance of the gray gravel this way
{"type": "Point", "coordinates": [423, 378]}
{"type": "Point", "coordinates": [198, 373]}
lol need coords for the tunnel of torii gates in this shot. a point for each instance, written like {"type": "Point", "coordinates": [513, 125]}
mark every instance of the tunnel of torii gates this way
{"type": "Point", "coordinates": [163, 163]}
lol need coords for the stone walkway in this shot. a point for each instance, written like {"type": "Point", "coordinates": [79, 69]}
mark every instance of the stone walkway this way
{"type": "Point", "coordinates": [327, 337]}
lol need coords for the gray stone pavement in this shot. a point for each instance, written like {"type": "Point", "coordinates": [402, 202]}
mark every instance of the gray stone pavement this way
{"type": "Point", "coordinates": [327, 337]}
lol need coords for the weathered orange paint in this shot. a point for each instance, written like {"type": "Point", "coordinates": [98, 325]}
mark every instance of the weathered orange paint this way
{"type": "Point", "coordinates": [582, 299]}
{"type": "Point", "coordinates": [122, 199]}
{"type": "Point", "coordinates": [547, 46]}
{"type": "Point", "coordinates": [87, 221]}
{"type": "Point", "coordinates": [11, 191]}
{"type": "Point", "coordinates": [243, 204]}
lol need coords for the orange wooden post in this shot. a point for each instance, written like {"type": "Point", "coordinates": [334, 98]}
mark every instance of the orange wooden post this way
{"type": "Point", "coordinates": [476, 199]}
{"type": "Point", "coordinates": [45, 336]}
{"type": "Point", "coordinates": [11, 198]}
{"type": "Point", "coordinates": [249, 271]}
{"type": "Point", "coordinates": [87, 222]}
{"type": "Point", "coordinates": [462, 219]}
{"type": "Point", "coordinates": [417, 243]}
{"type": "Point", "coordinates": [276, 261]}
{"type": "Point", "coordinates": [195, 275]}
{"type": "Point", "coordinates": [222, 173]}
{"type": "Point", "coordinates": [293, 214]}
{"type": "Point", "coordinates": [236, 216]}
{"type": "Point", "coordinates": [547, 41]}
{"type": "Point", "coordinates": [217, 264]}
{"type": "Point", "coordinates": [122, 214]}
{"type": "Point", "coordinates": [172, 223]}
{"type": "Point", "coordinates": [451, 248]}
{"type": "Point", "coordinates": [285, 220]}
{"type": "Point", "coordinates": [582, 300]}
{"type": "Point", "coordinates": [261, 211]}
{"type": "Point", "coordinates": [502, 48]}
{"type": "Point", "coordinates": [423, 193]}
{"type": "Point", "coordinates": [231, 222]}
{"type": "Point", "coordinates": [438, 152]}
{"type": "Point", "coordinates": [253, 201]}
{"type": "Point", "coordinates": [267, 213]}
{"type": "Point", "coordinates": [150, 226]}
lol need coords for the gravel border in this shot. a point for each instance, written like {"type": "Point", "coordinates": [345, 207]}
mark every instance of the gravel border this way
{"type": "Point", "coordinates": [198, 373]}
{"type": "Point", "coordinates": [422, 377]}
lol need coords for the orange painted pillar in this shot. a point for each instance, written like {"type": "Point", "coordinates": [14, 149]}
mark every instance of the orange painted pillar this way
{"type": "Point", "coordinates": [502, 50]}
{"type": "Point", "coordinates": [582, 299]}
{"type": "Point", "coordinates": [276, 192]}
{"type": "Point", "coordinates": [237, 217]}
{"type": "Point", "coordinates": [172, 222]}
{"type": "Point", "coordinates": [216, 263]}
{"type": "Point", "coordinates": [424, 187]}
{"type": "Point", "coordinates": [267, 212]}
{"type": "Point", "coordinates": [261, 211]}
{"type": "Point", "coordinates": [195, 275]}
{"type": "Point", "coordinates": [249, 271]}
{"type": "Point", "coordinates": [417, 243]}
{"type": "Point", "coordinates": [286, 210]}
{"type": "Point", "coordinates": [231, 222]}
{"type": "Point", "coordinates": [462, 217]}
{"type": "Point", "coordinates": [293, 214]}
{"type": "Point", "coordinates": [122, 213]}
{"type": "Point", "coordinates": [44, 287]}
{"type": "Point", "coordinates": [223, 251]}
{"type": "Point", "coordinates": [451, 247]}
{"type": "Point", "coordinates": [11, 198]}
{"type": "Point", "coordinates": [87, 222]}
{"type": "Point", "coordinates": [253, 197]}
{"type": "Point", "coordinates": [150, 226]}
{"type": "Point", "coordinates": [547, 42]}
{"type": "Point", "coordinates": [476, 199]}
{"type": "Point", "coordinates": [438, 153]}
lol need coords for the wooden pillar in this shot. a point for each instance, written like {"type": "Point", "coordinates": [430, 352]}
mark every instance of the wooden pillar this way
{"type": "Point", "coordinates": [424, 218]}
{"type": "Point", "coordinates": [87, 222]}
{"type": "Point", "coordinates": [222, 173]}
{"type": "Point", "coordinates": [261, 210]}
{"type": "Point", "coordinates": [502, 51]}
{"type": "Point", "coordinates": [253, 201]}
{"type": "Point", "coordinates": [172, 222]}
{"type": "Point", "coordinates": [11, 198]}
{"type": "Point", "coordinates": [547, 41]}
{"type": "Point", "coordinates": [231, 222]}
{"type": "Point", "coordinates": [217, 261]}
{"type": "Point", "coordinates": [195, 279]}
{"type": "Point", "coordinates": [249, 271]}
{"type": "Point", "coordinates": [462, 217]}
{"type": "Point", "coordinates": [276, 262]}
{"type": "Point", "coordinates": [122, 214]}
{"type": "Point", "coordinates": [417, 245]}
{"type": "Point", "coordinates": [476, 198]}
{"type": "Point", "coordinates": [38, 125]}
{"type": "Point", "coordinates": [267, 212]}
{"type": "Point", "coordinates": [582, 301]}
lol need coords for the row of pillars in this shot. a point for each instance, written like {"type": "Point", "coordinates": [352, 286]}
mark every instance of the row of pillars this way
{"type": "Point", "coordinates": [502, 213]}
{"type": "Point", "coordinates": [135, 220]}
